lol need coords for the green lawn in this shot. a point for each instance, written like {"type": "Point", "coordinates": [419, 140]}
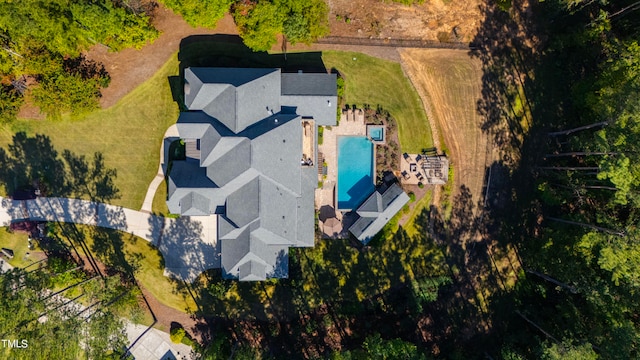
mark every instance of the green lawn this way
{"type": "Point", "coordinates": [159, 205]}
{"type": "Point", "coordinates": [421, 205]}
{"type": "Point", "coordinates": [129, 134]}
{"type": "Point", "coordinates": [17, 241]}
{"type": "Point", "coordinates": [373, 81]}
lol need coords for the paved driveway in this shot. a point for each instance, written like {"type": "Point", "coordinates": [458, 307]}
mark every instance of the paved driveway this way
{"type": "Point", "coordinates": [188, 244]}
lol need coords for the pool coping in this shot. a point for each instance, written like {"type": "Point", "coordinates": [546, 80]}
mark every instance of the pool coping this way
{"type": "Point", "coordinates": [373, 174]}
{"type": "Point", "coordinates": [384, 133]}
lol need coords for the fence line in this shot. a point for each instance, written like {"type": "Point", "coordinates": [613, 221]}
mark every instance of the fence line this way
{"type": "Point", "coordinates": [390, 42]}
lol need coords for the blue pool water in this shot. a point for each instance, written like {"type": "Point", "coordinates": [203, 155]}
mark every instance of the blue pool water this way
{"type": "Point", "coordinates": [355, 171]}
{"type": "Point", "coordinates": [376, 134]}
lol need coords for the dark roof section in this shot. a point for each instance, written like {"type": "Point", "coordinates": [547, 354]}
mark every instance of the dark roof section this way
{"type": "Point", "coordinates": [232, 76]}
{"type": "Point", "coordinates": [309, 84]}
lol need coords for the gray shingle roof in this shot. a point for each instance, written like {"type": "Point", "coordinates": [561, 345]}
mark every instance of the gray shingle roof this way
{"type": "Point", "coordinates": [306, 207]}
{"type": "Point", "coordinates": [225, 226]}
{"type": "Point", "coordinates": [371, 222]}
{"type": "Point", "coordinates": [194, 204]}
{"type": "Point", "coordinates": [229, 158]}
{"type": "Point", "coordinates": [309, 84]}
{"type": "Point", "coordinates": [252, 271]}
{"type": "Point", "coordinates": [311, 95]}
{"type": "Point", "coordinates": [250, 170]}
{"type": "Point", "coordinates": [278, 208]}
{"type": "Point", "coordinates": [243, 205]}
{"type": "Point", "coordinates": [277, 154]}
{"type": "Point", "coordinates": [236, 97]}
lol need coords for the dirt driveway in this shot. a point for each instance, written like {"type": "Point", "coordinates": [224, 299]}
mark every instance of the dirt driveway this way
{"type": "Point", "coordinates": [449, 83]}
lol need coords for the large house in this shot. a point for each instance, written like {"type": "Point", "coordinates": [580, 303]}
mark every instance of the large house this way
{"type": "Point", "coordinates": [251, 150]}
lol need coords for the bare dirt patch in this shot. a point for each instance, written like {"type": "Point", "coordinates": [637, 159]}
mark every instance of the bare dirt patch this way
{"type": "Point", "coordinates": [165, 315]}
{"type": "Point", "coordinates": [449, 83]}
{"type": "Point", "coordinates": [444, 20]}
{"type": "Point", "coordinates": [130, 67]}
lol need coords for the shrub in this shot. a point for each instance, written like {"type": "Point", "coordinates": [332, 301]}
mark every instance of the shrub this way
{"type": "Point", "coordinates": [177, 335]}
{"type": "Point", "coordinates": [187, 340]}
{"type": "Point", "coordinates": [412, 197]}
{"type": "Point", "coordinates": [420, 185]}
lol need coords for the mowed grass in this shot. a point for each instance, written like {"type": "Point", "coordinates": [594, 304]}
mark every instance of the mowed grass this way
{"type": "Point", "coordinates": [128, 134]}
{"type": "Point", "coordinates": [17, 241]}
{"type": "Point", "coordinates": [159, 205]}
{"type": "Point", "coordinates": [373, 81]}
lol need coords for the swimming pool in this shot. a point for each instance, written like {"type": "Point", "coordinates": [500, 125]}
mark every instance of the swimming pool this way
{"type": "Point", "coordinates": [376, 133]}
{"type": "Point", "coordinates": [355, 171]}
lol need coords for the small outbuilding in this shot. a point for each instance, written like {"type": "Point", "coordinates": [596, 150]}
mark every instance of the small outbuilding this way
{"type": "Point", "coordinates": [377, 210]}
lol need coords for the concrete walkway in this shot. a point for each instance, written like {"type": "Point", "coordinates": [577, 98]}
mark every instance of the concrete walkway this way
{"type": "Point", "coordinates": [188, 244]}
{"type": "Point", "coordinates": [147, 205]}
{"type": "Point", "coordinates": [153, 344]}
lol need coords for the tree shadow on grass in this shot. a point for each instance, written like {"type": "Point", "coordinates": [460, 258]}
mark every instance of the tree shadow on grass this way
{"type": "Point", "coordinates": [33, 162]}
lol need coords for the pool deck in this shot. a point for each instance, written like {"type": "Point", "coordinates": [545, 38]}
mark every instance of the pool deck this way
{"type": "Point", "coordinates": [351, 124]}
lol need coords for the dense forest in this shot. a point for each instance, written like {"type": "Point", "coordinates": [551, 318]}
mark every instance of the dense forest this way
{"type": "Point", "coordinates": [561, 102]}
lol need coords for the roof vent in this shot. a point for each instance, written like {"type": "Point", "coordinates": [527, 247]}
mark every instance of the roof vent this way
{"type": "Point", "coordinates": [187, 87]}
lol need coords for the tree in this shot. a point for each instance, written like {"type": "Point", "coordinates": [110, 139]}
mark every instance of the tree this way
{"type": "Point", "coordinates": [10, 102]}
{"type": "Point", "coordinates": [63, 93]}
{"type": "Point", "coordinates": [200, 13]}
{"type": "Point", "coordinates": [60, 334]}
{"type": "Point", "coordinates": [105, 335]}
{"type": "Point", "coordinates": [306, 21]}
{"type": "Point", "coordinates": [566, 351]}
{"type": "Point", "coordinates": [260, 22]}
{"type": "Point", "coordinates": [38, 38]}
{"type": "Point", "coordinates": [377, 348]}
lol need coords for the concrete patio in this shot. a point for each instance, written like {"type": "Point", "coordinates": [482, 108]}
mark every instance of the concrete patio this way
{"type": "Point", "coordinates": [428, 170]}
